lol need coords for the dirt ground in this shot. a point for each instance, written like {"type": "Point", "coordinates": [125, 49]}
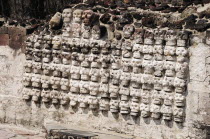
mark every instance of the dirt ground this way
{"type": "Point", "coordinates": [15, 132]}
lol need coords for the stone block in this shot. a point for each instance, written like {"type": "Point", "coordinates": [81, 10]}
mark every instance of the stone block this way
{"type": "Point", "coordinates": [4, 39]}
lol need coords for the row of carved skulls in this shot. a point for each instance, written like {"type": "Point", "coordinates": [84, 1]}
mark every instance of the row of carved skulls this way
{"type": "Point", "coordinates": [57, 42]}
{"type": "Point", "coordinates": [117, 78]}
{"type": "Point", "coordinates": [88, 17]}
{"type": "Point", "coordinates": [132, 107]}
{"type": "Point", "coordinates": [148, 74]}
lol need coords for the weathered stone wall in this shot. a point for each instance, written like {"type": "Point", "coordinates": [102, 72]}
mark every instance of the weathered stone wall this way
{"type": "Point", "coordinates": [30, 96]}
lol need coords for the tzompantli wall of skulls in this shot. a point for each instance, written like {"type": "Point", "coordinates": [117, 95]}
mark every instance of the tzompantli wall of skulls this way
{"type": "Point", "coordinates": [134, 71]}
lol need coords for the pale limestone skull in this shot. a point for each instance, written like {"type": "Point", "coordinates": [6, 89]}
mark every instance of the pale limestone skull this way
{"type": "Point", "coordinates": [84, 87]}
{"type": "Point", "coordinates": [77, 16]}
{"type": "Point", "coordinates": [155, 109]}
{"type": "Point", "coordinates": [66, 15]}
{"type": "Point", "coordinates": [167, 112]}
{"type": "Point", "coordinates": [158, 49]}
{"type": "Point", "coordinates": [145, 96]}
{"type": "Point", "coordinates": [96, 32]}
{"type": "Point", "coordinates": [45, 80]}
{"type": "Point", "coordinates": [26, 95]}
{"type": "Point", "coordinates": [55, 95]}
{"type": "Point", "coordinates": [27, 79]}
{"type": "Point", "coordinates": [94, 88]}
{"type": "Point", "coordinates": [86, 31]}
{"type": "Point", "coordinates": [135, 92]}
{"type": "Point", "coordinates": [95, 75]}
{"type": "Point", "coordinates": [55, 82]}
{"type": "Point", "coordinates": [169, 50]}
{"type": "Point", "coordinates": [125, 78]}
{"type": "Point", "coordinates": [157, 97]}
{"type": "Point", "coordinates": [179, 100]}
{"type": "Point", "coordinates": [46, 54]}
{"type": "Point", "coordinates": [64, 98]}
{"type": "Point", "coordinates": [75, 72]}
{"type": "Point", "coordinates": [93, 102]}
{"type": "Point", "coordinates": [36, 93]}
{"type": "Point", "coordinates": [135, 108]}
{"type": "Point", "coordinates": [74, 86]}
{"type": "Point", "coordinates": [181, 51]}
{"type": "Point", "coordinates": [45, 94]}
{"type": "Point", "coordinates": [168, 99]}
{"type": "Point", "coordinates": [56, 41]}
{"type": "Point", "coordinates": [168, 83]}
{"type": "Point", "coordinates": [145, 110]}
{"type": "Point", "coordinates": [158, 83]}
{"type": "Point", "coordinates": [180, 85]}
{"type": "Point", "coordinates": [37, 55]}
{"type": "Point", "coordinates": [124, 107]}
{"type": "Point", "coordinates": [148, 49]}
{"type": "Point", "coordinates": [178, 114]}
{"type": "Point", "coordinates": [64, 84]}
{"type": "Point", "coordinates": [104, 89]}
{"type": "Point", "coordinates": [46, 68]}
{"type": "Point", "coordinates": [104, 104]}
{"type": "Point", "coordinates": [147, 79]}
{"type": "Point", "coordinates": [28, 66]}
{"type": "Point", "coordinates": [128, 31]}
{"type": "Point", "coordinates": [37, 67]}
{"type": "Point", "coordinates": [83, 101]}
{"type": "Point", "coordinates": [36, 80]}
{"type": "Point", "coordinates": [65, 69]}
{"type": "Point", "coordinates": [114, 105]}
{"type": "Point", "coordinates": [114, 91]}
{"type": "Point", "coordinates": [76, 30]}
{"type": "Point", "coordinates": [74, 98]}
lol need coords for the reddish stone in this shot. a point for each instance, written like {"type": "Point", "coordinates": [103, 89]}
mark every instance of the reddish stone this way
{"type": "Point", "coordinates": [17, 37]}
{"type": "Point", "coordinates": [4, 39]}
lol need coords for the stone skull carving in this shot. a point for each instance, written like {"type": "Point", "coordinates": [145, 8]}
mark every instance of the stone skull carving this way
{"type": "Point", "coordinates": [74, 98]}
{"type": "Point", "coordinates": [66, 15]}
{"type": "Point", "coordinates": [88, 17]}
{"type": "Point", "coordinates": [84, 87]}
{"type": "Point", "coordinates": [74, 86]}
{"type": "Point", "coordinates": [96, 32]}
{"type": "Point", "coordinates": [124, 107]}
{"type": "Point", "coordinates": [83, 101]}
{"type": "Point", "coordinates": [45, 80]}
{"type": "Point", "coordinates": [93, 102]}
{"type": "Point", "coordinates": [135, 108]}
{"type": "Point", "coordinates": [155, 109]}
{"type": "Point", "coordinates": [114, 91]}
{"type": "Point", "coordinates": [128, 31]}
{"type": "Point", "coordinates": [64, 98]}
{"type": "Point", "coordinates": [114, 105]}
{"type": "Point", "coordinates": [36, 94]}
{"type": "Point", "coordinates": [56, 41]}
{"type": "Point", "coordinates": [36, 80]}
{"type": "Point", "coordinates": [178, 114]}
{"type": "Point", "coordinates": [26, 94]}
{"type": "Point", "coordinates": [64, 84]}
{"type": "Point", "coordinates": [55, 95]}
{"type": "Point", "coordinates": [45, 94]}
{"type": "Point", "coordinates": [77, 15]}
{"type": "Point", "coordinates": [167, 112]}
{"type": "Point", "coordinates": [104, 104]}
{"type": "Point", "coordinates": [179, 100]}
{"type": "Point", "coordinates": [145, 110]}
